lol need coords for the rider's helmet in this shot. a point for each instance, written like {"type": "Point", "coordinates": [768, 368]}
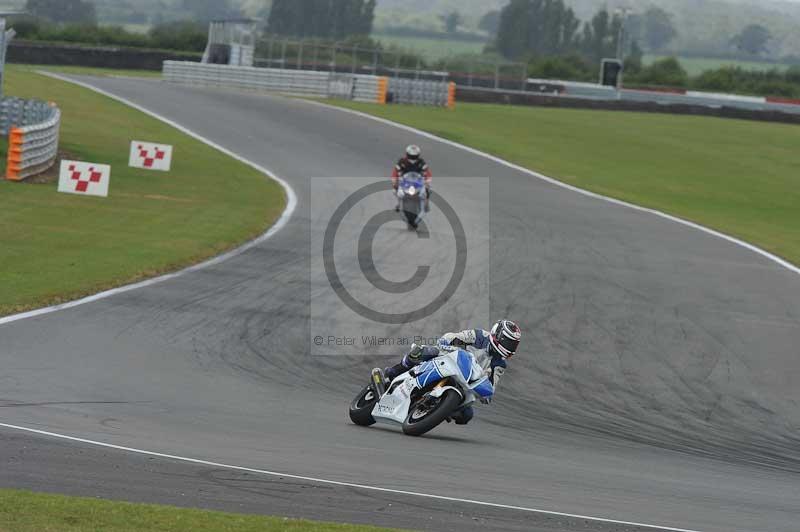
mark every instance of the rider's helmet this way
{"type": "Point", "coordinates": [504, 338]}
{"type": "Point", "coordinates": [413, 152]}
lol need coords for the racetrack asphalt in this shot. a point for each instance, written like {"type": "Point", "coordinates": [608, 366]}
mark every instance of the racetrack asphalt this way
{"type": "Point", "coordinates": [657, 383]}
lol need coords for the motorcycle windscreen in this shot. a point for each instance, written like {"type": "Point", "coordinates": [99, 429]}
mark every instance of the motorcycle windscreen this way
{"type": "Point", "coordinates": [484, 388]}
{"type": "Point", "coordinates": [427, 374]}
{"type": "Point", "coordinates": [465, 364]}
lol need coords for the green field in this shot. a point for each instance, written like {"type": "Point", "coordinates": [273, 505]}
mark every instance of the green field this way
{"type": "Point", "coordinates": [56, 247]}
{"type": "Point", "coordinates": [695, 66]}
{"type": "Point", "coordinates": [739, 177]}
{"type": "Point", "coordinates": [89, 71]}
{"type": "Point", "coordinates": [22, 511]}
{"type": "Point", "coordinates": [432, 49]}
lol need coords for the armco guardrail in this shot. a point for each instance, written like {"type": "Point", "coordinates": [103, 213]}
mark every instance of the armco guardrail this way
{"type": "Point", "coordinates": [358, 87]}
{"type": "Point", "coordinates": [481, 95]}
{"type": "Point", "coordinates": [664, 96]}
{"type": "Point", "coordinates": [32, 127]}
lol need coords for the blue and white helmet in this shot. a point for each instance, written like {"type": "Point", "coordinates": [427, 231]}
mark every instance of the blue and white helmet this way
{"type": "Point", "coordinates": [504, 338]}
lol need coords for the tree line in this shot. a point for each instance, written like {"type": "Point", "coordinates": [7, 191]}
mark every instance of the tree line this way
{"type": "Point", "coordinates": [531, 28]}
{"type": "Point", "coordinates": [321, 19]}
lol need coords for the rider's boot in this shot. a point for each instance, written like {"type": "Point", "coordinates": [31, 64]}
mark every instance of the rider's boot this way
{"type": "Point", "coordinates": [391, 373]}
{"type": "Point", "coordinates": [463, 416]}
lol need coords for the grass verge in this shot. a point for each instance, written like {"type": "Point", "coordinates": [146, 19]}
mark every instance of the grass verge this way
{"type": "Point", "coordinates": [23, 511]}
{"type": "Point", "coordinates": [57, 247]}
{"type": "Point", "coordinates": [739, 177]}
{"type": "Point", "coordinates": [89, 71]}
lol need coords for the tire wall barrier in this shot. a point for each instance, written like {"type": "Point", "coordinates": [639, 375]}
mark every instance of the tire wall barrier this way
{"type": "Point", "coordinates": [32, 127]}
{"type": "Point", "coordinates": [356, 87]}
{"type": "Point", "coordinates": [421, 92]}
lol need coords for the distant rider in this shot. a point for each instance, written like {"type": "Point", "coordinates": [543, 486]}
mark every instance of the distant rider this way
{"type": "Point", "coordinates": [491, 349]}
{"type": "Point", "coordinates": [412, 162]}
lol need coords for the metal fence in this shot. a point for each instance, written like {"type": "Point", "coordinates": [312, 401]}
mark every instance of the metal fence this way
{"type": "Point", "coordinates": [5, 37]}
{"type": "Point", "coordinates": [468, 70]}
{"type": "Point", "coordinates": [33, 128]}
{"type": "Point", "coordinates": [474, 71]}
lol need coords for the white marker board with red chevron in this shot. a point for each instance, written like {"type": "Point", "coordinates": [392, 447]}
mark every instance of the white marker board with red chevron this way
{"type": "Point", "coordinates": [150, 156]}
{"type": "Point", "coordinates": [88, 179]}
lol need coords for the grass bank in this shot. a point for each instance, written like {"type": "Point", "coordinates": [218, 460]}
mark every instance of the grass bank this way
{"type": "Point", "coordinates": [22, 511]}
{"type": "Point", "coordinates": [739, 177]}
{"type": "Point", "coordinates": [89, 71]}
{"type": "Point", "coordinates": [57, 247]}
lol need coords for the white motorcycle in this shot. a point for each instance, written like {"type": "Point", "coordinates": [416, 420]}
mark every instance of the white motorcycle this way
{"type": "Point", "coordinates": [424, 396]}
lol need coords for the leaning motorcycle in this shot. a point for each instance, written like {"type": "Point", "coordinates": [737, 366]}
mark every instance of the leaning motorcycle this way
{"type": "Point", "coordinates": [423, 397]}
{"type": "Point", "coordinates": [413, 196]}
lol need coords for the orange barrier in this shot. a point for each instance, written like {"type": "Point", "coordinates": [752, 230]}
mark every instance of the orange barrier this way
{"type": "Point", "coordinates": [16, 139]}
{"type": "Point", "coordinates": [383, 90]}
{"type": "Point", "coordinates": [451, 95]}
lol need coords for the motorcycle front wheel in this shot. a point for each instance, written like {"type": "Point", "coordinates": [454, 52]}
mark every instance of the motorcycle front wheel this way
{"type": "Point", "coordinates": [411, 212]}
{"type": "Point", "coordinates": [362, 405]}
{"type": "Point", "coordinates": [426, 415]}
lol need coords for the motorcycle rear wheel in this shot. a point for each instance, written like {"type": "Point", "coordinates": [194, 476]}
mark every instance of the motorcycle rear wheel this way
{"type": "Point", "coordinates": [421, 420]}
{"type": "Point", "coordinates": [362, 405]}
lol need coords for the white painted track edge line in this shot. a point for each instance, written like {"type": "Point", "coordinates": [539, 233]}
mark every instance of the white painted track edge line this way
{"type": "Point", "coordinates": [713, 232]}
{"type": "Point", "coordinates": [291, 205]}
{"type": "Point", "coordinates": [336, 482]}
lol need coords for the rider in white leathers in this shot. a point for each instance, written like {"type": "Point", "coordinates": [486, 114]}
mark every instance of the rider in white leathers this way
{"type": "Point", "coordinates": [491, 349]}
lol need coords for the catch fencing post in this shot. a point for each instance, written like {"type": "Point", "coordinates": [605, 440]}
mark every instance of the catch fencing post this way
{"type": "Point", "coordinates": [524, 76]}
{"type": "Point", "coordinates": [300, 55]}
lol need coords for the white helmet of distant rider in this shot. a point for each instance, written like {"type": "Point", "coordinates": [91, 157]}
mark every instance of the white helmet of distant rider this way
{"type": "Point", "coordinates": [413, 152]}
